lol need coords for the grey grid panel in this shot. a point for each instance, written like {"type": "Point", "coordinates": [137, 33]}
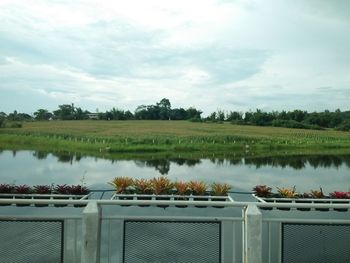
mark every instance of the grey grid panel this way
{"type": "Point", "coordinates": [31, 241]}
{"type": "Point", "coordinates": [165, 242]}
{"type": "Point", "coordinates": [316, 243]}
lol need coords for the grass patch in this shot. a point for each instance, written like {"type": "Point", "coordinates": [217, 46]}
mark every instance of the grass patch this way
{"type": "Point", "coordinates": [168, 137]}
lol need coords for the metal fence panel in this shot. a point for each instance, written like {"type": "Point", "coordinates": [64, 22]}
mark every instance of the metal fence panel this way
{"type": "Point", "coordinates": [31, 241]}
{"type": "Point", "coordinates": [315, 243]}
{"type": "Point", "coordinates": [168, 241]}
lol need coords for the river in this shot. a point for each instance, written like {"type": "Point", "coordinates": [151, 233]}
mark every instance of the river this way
{"type": "Point", "coordinates": [332, 173]}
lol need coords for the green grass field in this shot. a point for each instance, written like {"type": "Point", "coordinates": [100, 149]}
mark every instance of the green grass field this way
{"type": "Point", "coordinates": [125, 137]}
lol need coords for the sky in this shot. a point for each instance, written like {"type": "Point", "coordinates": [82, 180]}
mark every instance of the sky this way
{"type": "Point", "coordinates": [210, 54]}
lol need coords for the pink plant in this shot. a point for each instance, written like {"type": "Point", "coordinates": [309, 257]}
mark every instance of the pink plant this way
{"type": "Point", "coordinates": [62, 189]}
{"type": "Point", "coordinates": [77, 190]}
{"type": "Point", "coordinates": [23, 189]}
{"type": "Point", "coordinates": [262, 190]}
{"type": "Point", "coordinates": [339, 195]}
{"type": "Point", "coordinates": [42, 189]}
{"type": "Point", "coordinates": [6, 188]}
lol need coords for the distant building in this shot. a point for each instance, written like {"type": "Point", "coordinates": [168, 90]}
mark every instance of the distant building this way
{"type": "Point", "coordinates": [92, 116]}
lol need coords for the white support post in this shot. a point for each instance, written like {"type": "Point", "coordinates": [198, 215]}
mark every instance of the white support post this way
{"type": "Point", "coordinates": [253, 235]}
{"type": "Point", "coordinates": [91, 228]}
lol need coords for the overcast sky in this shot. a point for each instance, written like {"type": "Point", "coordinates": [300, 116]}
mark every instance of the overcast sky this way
{"type": "Point", "coordinates": [210, 54]}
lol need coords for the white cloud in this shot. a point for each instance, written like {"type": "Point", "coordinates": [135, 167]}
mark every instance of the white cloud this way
{"type": "Point", "coordinates": [208, 54]}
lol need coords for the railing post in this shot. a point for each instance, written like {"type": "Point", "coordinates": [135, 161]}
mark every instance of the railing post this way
{"type": "Point", "coordinates": [91, 225]}
{"type": "Point", "coordinates": [253, 235]}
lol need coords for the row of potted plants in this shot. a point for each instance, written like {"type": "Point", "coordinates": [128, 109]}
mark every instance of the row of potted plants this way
{"type": "Point", "coordinates": [162, 188]}
{"type": "Point", "coordinates": [54, 192]}
{"type": "Point", "coordinates": [44, 189]}
{"type": "Point", "coordinates": [266, 192]}
{"type": "Point", "coordinates": [263, 193]}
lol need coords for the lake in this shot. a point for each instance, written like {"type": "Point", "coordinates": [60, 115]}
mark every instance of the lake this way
{"type": "Point", "coordinates": [331, 172]}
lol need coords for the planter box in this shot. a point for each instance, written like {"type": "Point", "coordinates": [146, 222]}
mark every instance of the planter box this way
{"type": "Point", "coordinates": [304, 201]}
{"type": "Point", "coordinates": [191, 199]}
{"type": "Point", "coordinates": [42, 196]}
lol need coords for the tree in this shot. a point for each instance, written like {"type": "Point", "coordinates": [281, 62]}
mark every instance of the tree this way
{"type": "Point", "coordinates": [234, 116]}
{"type": "Point", "coordinates": [65, 112]}
{"type": "Point", "coordinates": [42, 114]}
{"type": "Point", "coordinates": [164, 107]}
{"type": "Point", "coordinates": [193, 113]}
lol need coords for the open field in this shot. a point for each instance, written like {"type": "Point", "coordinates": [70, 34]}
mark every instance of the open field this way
{"type": "Point", "coordinates": [167, 137]}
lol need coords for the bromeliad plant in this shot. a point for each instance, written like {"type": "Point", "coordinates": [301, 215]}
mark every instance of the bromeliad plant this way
{"type": "Point", "coordinates": [219, 189]}
{"type": "Point", "coordinates": [122, 185]}
{"type": "Point", "coordinates": [42, 189]}
{"type": "Point", "coordinates": [198, 187]}
{"type": "Point", "coordinates": [142, 186]}
{"type": "Point", "coordinates": [339, 195]}
{"type": "Point", "coordinates": [161, 185]}
{"type": "Point", "coordinates": [181, 188]}
{"type": "Point", "coordinates": [287, 192]}
{"type": "Point", "coordinates": [77, 190]}
{"type": "Point", "coordinates": [6, 188]}
{"type": "Point", "coordinates": [23, 189]}
{"type": "Point", "coordinates": [262, 191]}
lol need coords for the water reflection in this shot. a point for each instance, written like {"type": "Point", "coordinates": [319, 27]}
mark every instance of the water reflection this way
{"type": "Point", "coordinates": [306, 172]}
{"type": "Point", "coordinates": [297, 162]}
{"type": "Point", "coordinates": [163, 165]}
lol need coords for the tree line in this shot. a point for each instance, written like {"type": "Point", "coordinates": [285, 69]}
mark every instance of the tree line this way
{"type": "Point", "coordinates": [162, 110]}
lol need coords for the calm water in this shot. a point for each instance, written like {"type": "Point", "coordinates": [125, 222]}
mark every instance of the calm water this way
{"type": "Point", "coordinates": [30, 167]}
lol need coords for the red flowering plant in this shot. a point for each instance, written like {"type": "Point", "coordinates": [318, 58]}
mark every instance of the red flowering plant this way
{"type": "Point", "coordinates": [42, 189]}
{"type": "Point", "coordinates": [62, 189]}
{"type": "Point", "coordinates": [6, 189]}
{"type": "Point", "coordinates": [23, 189]}
{"type": "Point", "coordinates": [262, 191]}
{"type": "Point", "coordinates": [339, 195]}
{"type": "Point", "coordinates": [77, 190]}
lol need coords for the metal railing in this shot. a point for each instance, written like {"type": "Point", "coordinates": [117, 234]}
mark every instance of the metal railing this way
{"type": "Point", "coordinates": [99, 233]}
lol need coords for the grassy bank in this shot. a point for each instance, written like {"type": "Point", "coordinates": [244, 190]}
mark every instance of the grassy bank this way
{"type": "Point", "coordinates": [168, 137]}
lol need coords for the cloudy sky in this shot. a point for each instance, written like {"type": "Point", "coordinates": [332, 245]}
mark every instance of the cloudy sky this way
{"type": "Point", "coordinates": [210, 54]}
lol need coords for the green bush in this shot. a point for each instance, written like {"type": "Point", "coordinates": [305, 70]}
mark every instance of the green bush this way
{"type": "Point", "coordinates": [14, 125]}
{"type": "Point", "coordinates": [344, 126]}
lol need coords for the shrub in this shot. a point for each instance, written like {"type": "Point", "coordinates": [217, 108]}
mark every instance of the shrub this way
{"type": "Point", "coordinates": [220, 189]}
{"type": "Point", "coordinates": [262, 190]}
{"type": "Point", "coordinates": [23, 189]}
{"type": "Point", "coordinates": [122, 184]}
{"type": "Point", "coordinates": [6, 189]}
{"type": "Point", "coordinates": [42, 189]}
{"type": "Point", "coordinates": [161, 185]}
{"type": "Point", "coordinates": [198, 187]}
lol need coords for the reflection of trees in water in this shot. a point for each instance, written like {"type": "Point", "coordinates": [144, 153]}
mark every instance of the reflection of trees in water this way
{"type": "Point", "coordinates": [163, 165]}
{"type": "Point", "coordinates": [299, 162]}
{"type": "Point", "coordinates": [40, 155]}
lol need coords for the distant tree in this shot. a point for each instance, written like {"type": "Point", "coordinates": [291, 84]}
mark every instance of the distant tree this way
{"type": "Point", "coordinates": [141, 112]}
{"type": "Point", "coordinates": [234, 116]}
{"type": "Point", "coordinates": [164, 108]}
{"type": "Point", "coordinates": [42, 114]}
{"type": "Point", "coordinates": [178, 114]}
{"type": "Point", "coordinates": [15, 116]}
{"type": "Point", "coordinates": [193, 113]}
{"type": "Point", "coordinates": [65, 112]}
{"type": "Point", "coordinates": [220, 115]}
